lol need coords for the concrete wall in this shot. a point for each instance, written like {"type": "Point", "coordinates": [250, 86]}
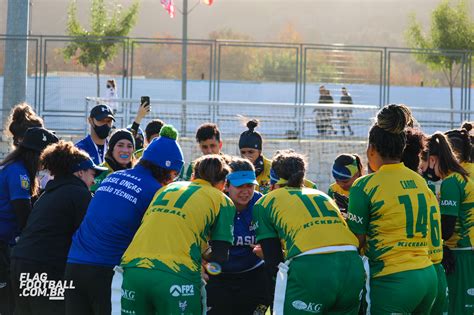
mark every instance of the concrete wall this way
{"type": "Point", "coordinates": [320, 154]}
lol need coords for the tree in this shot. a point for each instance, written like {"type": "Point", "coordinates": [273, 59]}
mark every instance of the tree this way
{"type": "Point", "coordinates": [99, 45]}
{"type": "Point", "coordinates": [451, 29]}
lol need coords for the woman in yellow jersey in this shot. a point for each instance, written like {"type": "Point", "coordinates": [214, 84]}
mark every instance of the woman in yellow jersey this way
{"type": "Point", "coordinates": [250, 145]}
{"type": "Point", "coordinates": [457, 217]}
{"type": "Point", "coordinates": [411, 158]}
{"type": "Point", "coordinates": [388, 212]}
{"type": "Point", "coordinates": [323, 272]}
{"type": "Point", "coordinates": [162, 265]}
{"type": "Point", "coordinates": [345, 170]}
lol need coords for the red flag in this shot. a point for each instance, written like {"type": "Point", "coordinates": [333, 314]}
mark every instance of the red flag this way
{"type": "Point", "coordinates": [208, 2]}
{"type": "Point", "coordinates": [169, 7]}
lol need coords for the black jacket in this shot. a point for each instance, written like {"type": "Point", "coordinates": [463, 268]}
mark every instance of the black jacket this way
{"type": "Point", "coordinates": [54, 219]}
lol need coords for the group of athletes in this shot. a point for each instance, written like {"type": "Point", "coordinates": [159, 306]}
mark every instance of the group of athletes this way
{"type": "Point", "coordinates": [238, 235]}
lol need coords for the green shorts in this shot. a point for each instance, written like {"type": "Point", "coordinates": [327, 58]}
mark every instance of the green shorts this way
{"type": "Point", "coordinates": [324, 283]}
{"type": "Point", "coordinates": [440, 305]}
{"type": "Point", "coordinates": [461, 283]}
{"type": "Point", "coordinates": [406, 292]}
{"type": "Point", "coordinates": [149, 291]}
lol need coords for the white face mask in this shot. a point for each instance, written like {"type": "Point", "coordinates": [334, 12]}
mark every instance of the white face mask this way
{"type": "Point", "coordinates": [44, 176]}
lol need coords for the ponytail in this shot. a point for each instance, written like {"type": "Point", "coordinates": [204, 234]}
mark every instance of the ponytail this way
{"type": "Point", "coordinates": [438, 145]}
{"type": "Point", "coordinates": [290, 166]}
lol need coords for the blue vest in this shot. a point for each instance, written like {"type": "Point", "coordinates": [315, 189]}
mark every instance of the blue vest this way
{"type": "Point", "coordinates": [113, 217]}
{"type": "Point", "coordinates": [14, 185]}
{"type": "Point", "coordinates": [241, 257]}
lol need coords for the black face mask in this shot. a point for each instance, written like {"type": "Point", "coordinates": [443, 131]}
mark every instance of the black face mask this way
{"type": "Point", "coordinates": [259, 166]}
{"type": "Point", "coordinates": [102, 131]}
{"type": "Point", "coordinates": [430, 174]}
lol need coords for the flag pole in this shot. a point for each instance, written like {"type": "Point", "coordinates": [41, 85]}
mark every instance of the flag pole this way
{"type": "Point", "coordinates": [184, 62]}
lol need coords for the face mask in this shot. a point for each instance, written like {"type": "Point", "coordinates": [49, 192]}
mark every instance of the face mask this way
{"type": "Point", "coordinates": [44, 177]}
{"type": "Point", "coordinates": [102, 131]}
{"type": "Point", "coordinates": [430, 174]}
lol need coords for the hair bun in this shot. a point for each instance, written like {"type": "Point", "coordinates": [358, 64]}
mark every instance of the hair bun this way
{"type": "Point", "coordinates": [252, 124]}
{"type": "Point", "coordinates": [169, 131]}
{"type": "Point", "coordinates": [467, 126]}
{"type": "Point", "coordinates": [394, 118]}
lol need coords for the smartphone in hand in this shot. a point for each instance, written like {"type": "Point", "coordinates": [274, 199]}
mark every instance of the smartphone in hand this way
{"type": "Point", "coordinates": [145, 101]}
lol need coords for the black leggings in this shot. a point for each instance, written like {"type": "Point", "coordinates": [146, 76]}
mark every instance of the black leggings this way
{"type": "Point", "coordinates": [92, 289]}
{"type": "Point", "coordinates": [238, 294]}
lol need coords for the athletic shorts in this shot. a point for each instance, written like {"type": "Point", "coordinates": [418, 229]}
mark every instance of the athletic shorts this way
{"type": "Point", "coordinates": [440, 305]}
{"type": "Point", "coordinates": [412, 291]}
{"type": "Point", "coordinates": [148, 291]}
{"type": "Point", "coordinates": [324, 283]}
{"type": "Point", "coordinates": [461, 284]}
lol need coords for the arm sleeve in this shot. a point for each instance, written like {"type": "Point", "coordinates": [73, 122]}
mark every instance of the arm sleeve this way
{"type": "Point", "coordinates": [223, 229]}
{"type": "Point", "coordinates": [18, 185]}
{"type": "Point", "coordinates": [220, 251]}
{"type": "Point", "coordinates": [22, 210]}
{"type": "Point", "coordinates": [448, 223]}
{"type": "Point", "coordinates": [450, 197]}
{"type": "Point", "coordinates": [263, 223]}
{"type": "Point", "coordinates": [358, 211]}
{"type": "Point", "coordinates": [80, 207]}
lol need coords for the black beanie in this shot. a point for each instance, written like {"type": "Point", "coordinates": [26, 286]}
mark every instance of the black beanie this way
{"type": "Point", "coordinates": [118, 135]}
{"type": "Point", "coordinates": [250, 138]}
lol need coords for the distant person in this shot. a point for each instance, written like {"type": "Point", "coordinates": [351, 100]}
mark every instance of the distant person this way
{"type": "Point", "coordinates": [100, 119]}
{"type": "Point", "coordinates": [112, 93]}
{"type": "Point", "coordinates": [208, 137]}
{"type": "Point", "coordinates": [323, 115]}
{"type": "Point", "coordinates": [345, 114]}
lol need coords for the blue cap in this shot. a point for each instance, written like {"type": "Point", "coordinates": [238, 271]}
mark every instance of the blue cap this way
{"type": "Point", "coordinates": [240, 178]}
{"type": "Point", "coordinates": [89, 164]}
{"type": "Point", "coordinates": [164, 152]}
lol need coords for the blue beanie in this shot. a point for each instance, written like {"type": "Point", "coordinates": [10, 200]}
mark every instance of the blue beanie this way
{"type": "Point", "coordinates": [164, 151]}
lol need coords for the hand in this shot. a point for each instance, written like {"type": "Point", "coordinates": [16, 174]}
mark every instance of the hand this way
{"type": "Point", "coordinates": [204, 274]}
{"type": "Point", "coordinates": [143, 110]}
{"type": "Point", "coordinates": [341, 201]}
{"type": "Point", "coordinates": [449, 261]}
{"type": "Point", "coordinates": [257, 250]}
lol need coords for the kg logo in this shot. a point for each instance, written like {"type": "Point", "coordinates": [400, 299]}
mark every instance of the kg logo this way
{"type": "Point", "coordinates": [307, 307]}
{"type": "Point", "coordinates": [182, 290]}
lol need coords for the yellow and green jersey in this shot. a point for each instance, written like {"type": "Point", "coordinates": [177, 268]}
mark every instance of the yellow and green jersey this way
{"type": "Point", "coordinates": [309, 184]}
{"type": "Point", "coordinates": [263, 178]}
{"type": "Point", "coordinates": [335, 188]}
{"type": "Point", "coordinates": [457, 199]}
{"type": "Point", "coordinates": [302, 218]}
{"type": "Point", "coordinates": [392, 208]}
{"type": "Point", "coordinates": [98, 180]}
{"type": "Point", "coordinates": [469, 167]}
{"type": "Point", "coordinates": [139, 153]}
{"type": "Point", "coordinates": [180, 219]}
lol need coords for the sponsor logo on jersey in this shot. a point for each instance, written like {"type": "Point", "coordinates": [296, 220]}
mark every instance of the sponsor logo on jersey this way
{"type": "Point", "coordinates": [128, 294]}
{"type": "Point", "coordinates": [307, 307]}
{"type": "Point", "coordinates": [470, 291]}
{"type": "Point", "coordinates": [355, 218]}
{"type": "Point", "coordinates": [182, 290]}
{"type": "Point", "coordinates": [450, 203]}
{"type": "Point", "coordinates": [25, 182]}
{"type": "Point", "coordinates": [182, 305]}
